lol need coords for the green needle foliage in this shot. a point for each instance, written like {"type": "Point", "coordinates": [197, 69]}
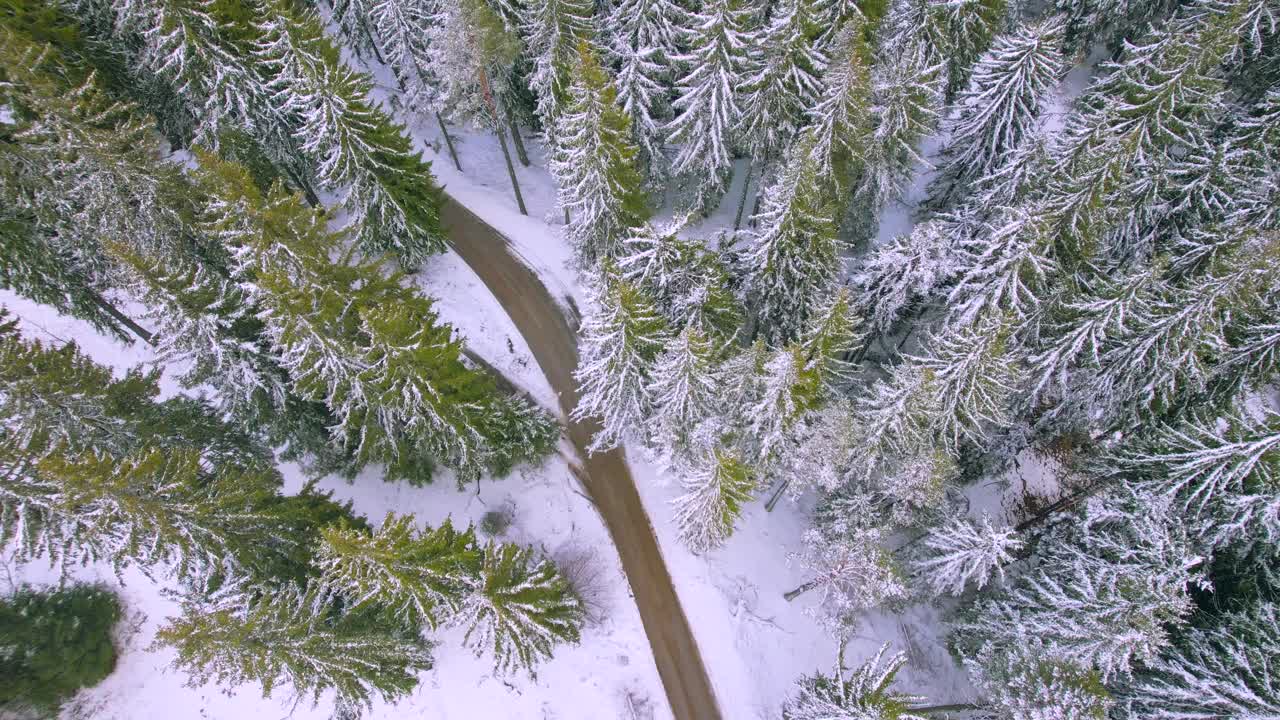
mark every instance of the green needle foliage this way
{"type": "Point", "coordinates": [52, 643]}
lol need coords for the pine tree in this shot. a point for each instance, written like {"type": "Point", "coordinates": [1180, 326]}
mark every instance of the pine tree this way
{"type": "Point", "coordinates": [902, 274]}
{"type": "Point", "coordinates": [851, 571]}
{"type": "Point", "coordinates": [552, 30]}
{"type": "Point", "coordinates": [593, 163]}
{"type": "Point", "coordinates": [834, 332]}
{"type": "Point", "coordinates": [360, 341]}
{"type": "Point", "coordinates": [58, 641]}
{"type": "Point", "coordinates": [401, 29]}
{"type": "Point", "coordinates": [790, 387]}
{"type": "Point", "coordinates": [970, 26]}
{"type": "Point", "coordinates": [96, 469]}
{"type": "Point", "coordinates": [782, 82]}
{"type": "Point", "coordinates": [1022, 684]}
{"type": "Point", "coordinates": [963, 552]}
{"type": "Point", "coordinates": [387, 188]}
{"type": "Point", "coordinates": [1226, 670]}
{"type": "Point", "coordinates": [1104, 596]}
{"type": "Point", "coordinates": [795, 259]}
{"type": "Point", "coordinates": [622, 339]}
{"type": "Point", "coordinates": [522, 608]}
{"type": "Point", "coordinates": [866, 692]}
{"type": "Point", "coordinates": [642, 35]}
{"type": "Point", "coordinates": [689, 284]}
{"type": "Point", "coordinates": [684, 388]}
{"type": "Point", "coordinates": [840, 123]}
{"type": "Point", "coordinates": [715, 489]}
{"type": "Point", "coordinates": [292, 637]}
{"type": "Point", "coordinates": [422, 578]}
{"type": "Point", "coordinates": [1005, 100]}
{"type": "Point", "coordinates": [717, 38]}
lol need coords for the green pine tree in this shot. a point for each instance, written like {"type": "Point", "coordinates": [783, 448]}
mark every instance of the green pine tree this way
{"type": "Point", "coordinates": [521, 610]}
{"type": "Point", "coordinates": [421, 577]}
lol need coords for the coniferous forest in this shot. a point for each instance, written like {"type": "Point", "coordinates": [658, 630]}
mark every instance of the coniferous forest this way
{"type": "Point", "coordinates": [862, 260]}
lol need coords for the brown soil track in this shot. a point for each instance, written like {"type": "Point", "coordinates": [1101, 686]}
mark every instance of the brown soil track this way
{"type": "Point", "coordinates": [605, 475]}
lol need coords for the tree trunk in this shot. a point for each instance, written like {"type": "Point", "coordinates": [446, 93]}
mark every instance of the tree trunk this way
{"type": "Point", "coordinates": [742, 200]}
{"type": "Point", "coordinates": [502, 138]}
{"type": "Point", "coordinates": [121, 318]}
{"type": "Point", "coordinates": [448, 141]}
{"type": "Point", "coordinates": [953, 707]}
{"type": "Point", "coordinates": [777, 495]}
{"type": "Point", "coordinates": [789, 596]}
{"type": "Point", "coordinates": [518, 141]}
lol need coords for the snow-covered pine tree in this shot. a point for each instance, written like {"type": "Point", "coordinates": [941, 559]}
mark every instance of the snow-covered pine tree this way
{"type": "Point", "coordinates": [865, 692]}
{"type": "Point", "coordinates": [1227, 670]}
{"type": "Point", "coordinates": [901, 274]}
{"type": "Point", "coordinates": [970, 26]}
{"type": "Point", "coordinates": [421, 577]}
{"type": "Point", "coordinates": [1021, 683]}
{"type": "Point", "coordinates": [782, 80]}
{"type": "Point", "coordinates": [689, 283]}
{"type": "Point", "coordinates": [795, 259]}
{"type": "Point", "coordinates": [292, 638]}
{"type": "Point", "coordinates": [401, 30]}
{"type": "Point", "coordinates": [906, 98]}
{"type": "Point", "coordinates": [973, 374]}
{"type": "Point", "coordinates": [1003, 270]}
{"type": "Point", "coordinates": [522, 608]}
{"type": "Point", "coordinates": [852, 572]}
{"type": "Point", "coordinates": [896, 416]}
{"type": "Point", "coordinates": [838, 133]}
{"type": "Point", "coordinates": [684, 388]}
{"type": "Point", "coordinates": [1218, 473]}
{"type": "Point", "coordinates": [716, 487]}
{"type": "Point", "coordinates": [386, 187]}
{"type": "Point", "coordinates": [358, 340]}
{"type": "Point", "coordinates": [707, 106]}
{"type": "Point", "coordinates": [1003, 103]}
{"type": "Point", "coordinates": [593, 162]}
{"type": "Point", "coordinates": [552, 31]}
{"type": "Point", "coordinates": [79, 168]}
{"type": "Point", "coordinates": [96, 469]}
{"type": "Point", "coordinates": [1105, 595]}
{"type": "Point", "coordinates": [964, 552]}
{"type": "Point", "coordinates": [621, 340]}
{"type": "Point", "coordinates": [642, 34]}
{"type": "Point", "coordinates": [833, 333]}
{"type": "Point", "coordinates": [791, 386]}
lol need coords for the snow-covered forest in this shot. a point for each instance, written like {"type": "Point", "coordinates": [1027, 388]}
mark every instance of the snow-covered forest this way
{"type": "Point", "coordinates": [952, 327]}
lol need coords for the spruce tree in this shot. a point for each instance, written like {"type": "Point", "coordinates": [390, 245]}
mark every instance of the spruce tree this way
{"type": "Point", "coordinates": [58, 641]}
{"type": "Point", "coordinates": [621, 341]}
{"type": "Point", "coordinates": [593, 163]}
{"type": "Point", "coordinates": [838, 135]}
{"type": "Point", "coordinates": [866, 692]}
{"type": "Point", "coordinates": [965, 552]}
{"type": "Point", "coordinates": [795, 258]}
{"type": "Point", "coordinates": [292, 638]}
{"type": "Point", "coordinates": [715, 489]}
{"type": "Point", "coordinates": [387, 188]}
{"type": "Point", "coordinates": [1004, 101]}
{"type": "Point", "coordinates": [553, 30]}
{"type": "Point", "coordinates": [642, 34]}
{"type": "Point", "coordinates": [421, 578]}
{"type": "Point", "coordinates": [707, 105]}
{"type": "Point", "coordinates": [684, 388]}
{"type": "Point", "coordinates": [521, 609]}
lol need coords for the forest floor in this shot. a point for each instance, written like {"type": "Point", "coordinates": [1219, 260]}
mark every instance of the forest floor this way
{"type": "Point", "coordinates": [606, 475]}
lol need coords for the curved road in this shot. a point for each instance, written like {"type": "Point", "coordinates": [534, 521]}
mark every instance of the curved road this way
{"type": "Point", "coordinates": [606, 475]}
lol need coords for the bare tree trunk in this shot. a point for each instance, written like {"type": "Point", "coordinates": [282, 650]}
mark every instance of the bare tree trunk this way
{"type": "Point", "coordinates": [502, 138]}
{"type": "Point", "coordinates": [515, 134]}
{"type": "Point", "coordinates": [121, 318]}
{"type": "Point", "coordinates": [792, 595]}
{"type": "Point", "coordinates": [954, 707]}
{"type": "Point", "coordinates": [777, 495]}
{"type": "Point", "coordinates": [742, 199]}
{"type": "Point", "coordinates": [448, 141]}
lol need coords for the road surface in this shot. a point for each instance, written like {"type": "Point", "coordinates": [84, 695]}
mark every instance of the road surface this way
{"type": "Point", "coordinates": [606, 475]}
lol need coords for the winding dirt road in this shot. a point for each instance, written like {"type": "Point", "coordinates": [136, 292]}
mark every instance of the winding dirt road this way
{"type": "Point", "coordinates": [606, 475]}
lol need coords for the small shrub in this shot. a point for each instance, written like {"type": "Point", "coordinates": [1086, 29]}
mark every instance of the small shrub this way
{"type": "Point", "coordinates": [495, 523]}
{"type": "Point", "coordinates": [582, 568]}
{"type": "Point", "coordinates": [52, 643]}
